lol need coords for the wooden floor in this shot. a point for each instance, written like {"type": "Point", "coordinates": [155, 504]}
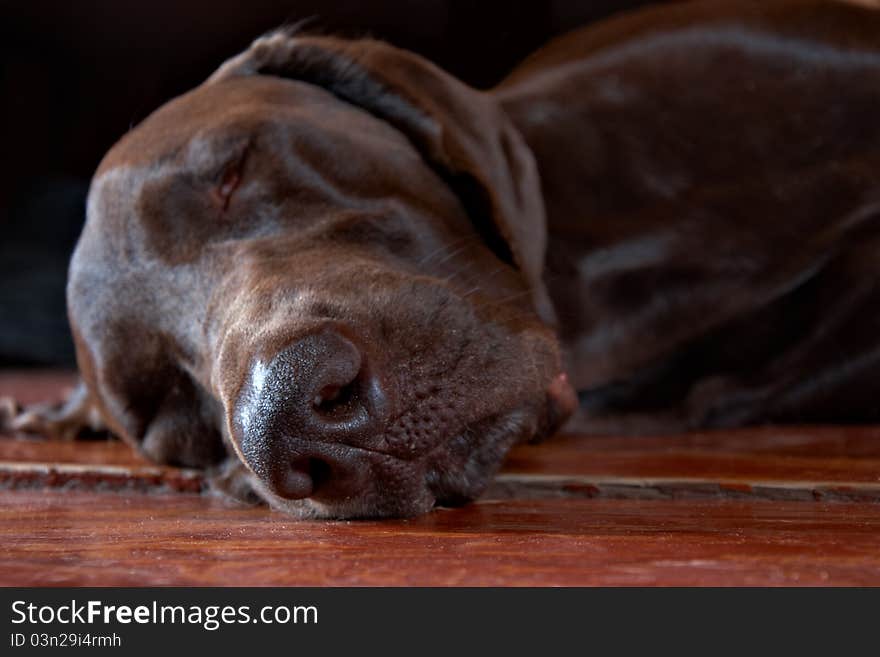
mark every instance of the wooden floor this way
{"type": "Point", "coordinates": [768, 506]}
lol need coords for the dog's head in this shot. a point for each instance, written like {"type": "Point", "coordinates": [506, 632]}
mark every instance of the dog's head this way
{"type": "Point", "coordinates": [329, 255]}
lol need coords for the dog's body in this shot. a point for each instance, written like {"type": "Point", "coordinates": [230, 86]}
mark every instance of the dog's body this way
{"type": "Point", "coordinates": [711, 175]}
{"type": "Point", "coordinates": [346, 272]}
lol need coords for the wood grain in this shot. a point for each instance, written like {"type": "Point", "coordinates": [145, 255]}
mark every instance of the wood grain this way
{"type": "Point", "coordinates": [763, 506]}
{"type": "Point", "coordinates": [53, 538]}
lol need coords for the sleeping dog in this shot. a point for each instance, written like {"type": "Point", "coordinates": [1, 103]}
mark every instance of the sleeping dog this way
{"type": "Point", "coordinates": [338, 277]}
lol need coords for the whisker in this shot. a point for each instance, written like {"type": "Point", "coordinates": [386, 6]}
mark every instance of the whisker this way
{"type": "Point", "coordinates": [445, 248]}
{"type": "Point", "coordinates": [495, 272]}
{"type": "Point", "coordinates": [455, 252]}
{"type": "Point", "coordinates": [458, 272]}
{"type": "Point", "coordinates": [506, 299]}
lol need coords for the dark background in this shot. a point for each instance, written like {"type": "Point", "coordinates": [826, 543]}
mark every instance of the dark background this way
{"type": "Point", "coordinates": [75, 76]}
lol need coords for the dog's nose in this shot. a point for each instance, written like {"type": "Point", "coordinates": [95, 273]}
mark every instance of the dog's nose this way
{"type": "Point", "coordinates": [300, 414]}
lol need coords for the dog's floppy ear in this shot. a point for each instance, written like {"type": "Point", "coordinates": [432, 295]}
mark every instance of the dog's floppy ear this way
{"type": "Point", "coordinates": [463, 133]}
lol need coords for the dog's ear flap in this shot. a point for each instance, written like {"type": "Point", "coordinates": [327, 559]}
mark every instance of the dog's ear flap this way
{"type": "Point", "coordinates": [463, 133]}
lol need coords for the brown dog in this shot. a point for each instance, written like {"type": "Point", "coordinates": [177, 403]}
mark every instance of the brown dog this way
{"type": "Point", "coordinates": [360, 281]}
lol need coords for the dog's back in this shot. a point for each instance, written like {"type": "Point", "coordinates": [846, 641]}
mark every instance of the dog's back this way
{"type": "Point", "coordinates": [712, 180]}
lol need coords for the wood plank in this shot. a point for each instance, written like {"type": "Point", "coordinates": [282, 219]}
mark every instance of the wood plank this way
{"type": "Point", "coordinates": [59, 538]}
{"type": "Point", "coordinates": [717, 508]}
{"type": "Point", "coordinates": [805, 463]}
{"type": "Point", "coordinates": [832, 463]}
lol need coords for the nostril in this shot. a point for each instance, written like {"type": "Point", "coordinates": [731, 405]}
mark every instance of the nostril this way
{"type": "Point", "coordinates": [334, 398]}
{"type": "Point", "coordinates": [305, 476]}
{"type": "Point", "coordinates": [320, 473]}
{"type": "Point", "coordinates": [296, 482]}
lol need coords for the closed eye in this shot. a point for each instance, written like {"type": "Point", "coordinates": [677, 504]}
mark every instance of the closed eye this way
{"type": "Point", "coordinates": [229, 179]}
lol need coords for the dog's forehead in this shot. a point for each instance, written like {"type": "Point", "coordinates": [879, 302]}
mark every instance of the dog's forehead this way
{"type": "Point", "coordinates": [233, 106]}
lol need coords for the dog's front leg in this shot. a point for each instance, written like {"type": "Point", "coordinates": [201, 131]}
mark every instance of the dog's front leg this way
{"type": "Point", "coordinates": [71, 418]}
